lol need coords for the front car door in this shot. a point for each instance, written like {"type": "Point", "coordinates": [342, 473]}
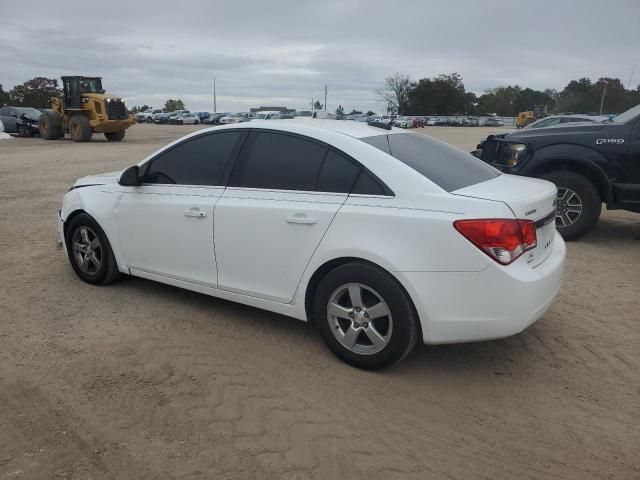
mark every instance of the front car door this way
{"type": "Point", "coordinates": [282, 196]}
{"type": "Point", "coordinates": [165, 226]}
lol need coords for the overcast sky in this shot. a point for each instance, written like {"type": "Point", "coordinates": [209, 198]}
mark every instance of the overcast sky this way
{"type": "Point", "coordinates": [284, 52]}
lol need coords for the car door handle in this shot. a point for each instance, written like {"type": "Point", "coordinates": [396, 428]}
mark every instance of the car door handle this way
{"type": "Point", "coordinates": [301, 218]}
{"type": "Point", "coordinates": [195, 212]}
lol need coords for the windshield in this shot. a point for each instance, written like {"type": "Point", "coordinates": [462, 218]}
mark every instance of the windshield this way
{"type": "Point", "coordinates": [630, 114]}
{"type": "Point", "coordinates": [28, 111]}
{"type": "Point", "coordinates": [446, 166]}
{"type": "Point", "coordinates": [91, 85]}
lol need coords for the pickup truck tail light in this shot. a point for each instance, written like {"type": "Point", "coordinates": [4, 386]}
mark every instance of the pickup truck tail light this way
{"type": "Point", "coordinates": [504, 240]}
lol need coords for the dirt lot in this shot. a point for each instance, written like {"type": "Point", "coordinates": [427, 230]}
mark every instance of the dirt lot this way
{"type": "Point", "coordinates": [139, 380]}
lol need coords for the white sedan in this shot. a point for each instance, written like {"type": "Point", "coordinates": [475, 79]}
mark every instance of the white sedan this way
{"type": "Point", "coordinates": [380, 237]}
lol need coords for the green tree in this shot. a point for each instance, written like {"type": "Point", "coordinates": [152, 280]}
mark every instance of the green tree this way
{"type": "Point", "coordinates": [339, 110]}
{"type": "Point", "coordinates": [136, 108]}
{"type": "Point", "coordinates": [5, 98]}
{"type": "Point", "coordinates": [442, 95]}
{"type": "Point", "coordinates": [35, 93]}
{"type": "Point", "coordinates": [173, 105]}
{"type": "Point", "coordinates": [355, 112]}
{"type": "Point", "coordinates": [370, 113]}
{"type": "Point", "coordinates": [317, 105]}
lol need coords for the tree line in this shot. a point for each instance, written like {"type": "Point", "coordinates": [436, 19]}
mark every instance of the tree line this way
{"type": "Point", "coordinates": [445, 94]}
{"type": "Point", "coordinates": [37, 92]}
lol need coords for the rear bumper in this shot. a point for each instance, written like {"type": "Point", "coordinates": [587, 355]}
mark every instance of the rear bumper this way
{"type": "Point", "coordinates": [497, 302]}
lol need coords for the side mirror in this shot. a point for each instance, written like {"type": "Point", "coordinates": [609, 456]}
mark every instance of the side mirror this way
{"type": "Point", "coordinates": [130, 177]}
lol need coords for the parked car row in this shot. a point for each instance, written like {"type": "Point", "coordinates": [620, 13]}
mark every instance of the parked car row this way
{"type": "Point", "coordinates": [422, 121]}
{"type": "Point", "coordinates": [185, 117]}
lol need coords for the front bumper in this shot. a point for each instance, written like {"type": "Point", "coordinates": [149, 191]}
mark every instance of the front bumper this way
{"type": "Point", "coordinates": [60, 242]}
{"type": "Point", "coordinates": [497, 302]}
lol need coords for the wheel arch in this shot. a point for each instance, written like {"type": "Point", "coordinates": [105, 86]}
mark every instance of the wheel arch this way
{"type": "Point", "coordinates": [322, 270]}
{"type": "Point", "coordinates": [114, 247]}
{"type": "Point", "coordinates": [586, 168]}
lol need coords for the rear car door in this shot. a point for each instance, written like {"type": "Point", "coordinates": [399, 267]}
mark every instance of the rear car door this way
{"type": "Point", "coordinates": [165, 226]}
{"type": "Point", "coordinates": [282, 196]}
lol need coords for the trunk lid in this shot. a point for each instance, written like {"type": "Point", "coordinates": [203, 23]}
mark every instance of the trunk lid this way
{"type": "Point", "coordinates": [529, 199]}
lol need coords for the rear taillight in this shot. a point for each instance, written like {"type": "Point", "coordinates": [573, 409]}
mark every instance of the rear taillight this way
{"type": "Point", "coordinates": [504, 240]}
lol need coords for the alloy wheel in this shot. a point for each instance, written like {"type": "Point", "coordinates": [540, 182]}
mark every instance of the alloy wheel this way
{"type": "Point", "coordinates": [359, 318]}
{"type": "Point", "coordinates": [569, 207]}
{"type": "Point", "coordinates": [87, 250]}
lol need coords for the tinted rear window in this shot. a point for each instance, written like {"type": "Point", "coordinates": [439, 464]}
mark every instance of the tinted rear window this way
{"type": "Point", "coordinates": [446, 166]}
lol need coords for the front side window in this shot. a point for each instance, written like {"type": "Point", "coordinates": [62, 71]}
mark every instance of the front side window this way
{"type": "Point", "coordinates": [201, 160]}
{"type": "Point", "coordinates": [278, 161]}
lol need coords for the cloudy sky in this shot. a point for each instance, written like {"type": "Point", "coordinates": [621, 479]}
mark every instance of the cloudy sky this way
{"type": "Point", "coordinates": [284, 52]}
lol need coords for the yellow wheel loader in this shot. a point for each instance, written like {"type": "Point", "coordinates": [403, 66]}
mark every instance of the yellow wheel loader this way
{"type": "Point", "coordinates": [83, 110]}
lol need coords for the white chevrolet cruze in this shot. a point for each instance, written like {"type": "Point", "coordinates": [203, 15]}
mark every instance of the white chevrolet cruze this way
{"type": "Point", "coordinates": [379, 237]}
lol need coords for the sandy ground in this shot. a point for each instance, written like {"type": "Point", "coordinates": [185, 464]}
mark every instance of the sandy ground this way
{"type": "Point", "coordinates": [140, 380]}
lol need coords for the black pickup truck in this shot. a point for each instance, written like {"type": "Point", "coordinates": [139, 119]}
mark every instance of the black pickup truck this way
{"type": "Point", "coordinates": [590, 163]}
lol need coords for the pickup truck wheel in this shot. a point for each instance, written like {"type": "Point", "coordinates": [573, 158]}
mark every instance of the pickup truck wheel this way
{"type": "Point", "coordinates": [579, 204]}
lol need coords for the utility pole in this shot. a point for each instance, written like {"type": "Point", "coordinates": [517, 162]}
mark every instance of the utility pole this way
{"type": "Point", "coordinates": [604, 91]}
{"type": "Point", "coordinates": [325, 98]}
{"type": "Point", "coordinates": [215, 107]}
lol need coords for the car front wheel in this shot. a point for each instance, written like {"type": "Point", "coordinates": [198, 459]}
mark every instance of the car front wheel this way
{"type": "Point", "coordinates": [364, 316]}
{"type": "Point", "coordinates": [89, 251]}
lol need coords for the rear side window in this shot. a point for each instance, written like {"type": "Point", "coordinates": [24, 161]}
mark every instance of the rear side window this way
{"type": "Point", "coordinates": [368, 185]}
{"type": "Point", "coordinates": [201, 160]}
{"type": "Point", "coordinates": [446, 166]}
{"type": "Point", "coordinates": [278, 161]}
{"type": "Point", "coordinates": [338, 174]}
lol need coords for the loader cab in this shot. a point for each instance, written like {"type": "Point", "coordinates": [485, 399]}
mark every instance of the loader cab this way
{"type": "Point", "coordinates": [74, 87]}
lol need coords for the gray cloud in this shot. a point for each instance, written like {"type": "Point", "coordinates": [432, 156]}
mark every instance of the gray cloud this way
{"type": "Point", "coordinates": [284, 52]}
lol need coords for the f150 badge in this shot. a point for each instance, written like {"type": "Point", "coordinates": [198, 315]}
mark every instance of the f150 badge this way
{"type": "Point", "coordinates": [615, 141]}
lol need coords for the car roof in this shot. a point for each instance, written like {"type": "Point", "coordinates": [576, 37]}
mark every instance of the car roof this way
{"type": "Point", "coordinates": [351, 129]}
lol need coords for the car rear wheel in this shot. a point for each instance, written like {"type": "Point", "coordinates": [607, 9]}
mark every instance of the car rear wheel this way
{"type": "Point", "coordinates": [578, 203]}
{"type": "Point", "coordinates": [364, 316]}
{"type": "Point", "coordinates": [89, 251]}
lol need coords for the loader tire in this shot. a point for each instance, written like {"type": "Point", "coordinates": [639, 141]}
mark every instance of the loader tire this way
{"type": "Point", "coordinates": [80, 129]}
{"type": "Point", "coordinates": [50, 125]}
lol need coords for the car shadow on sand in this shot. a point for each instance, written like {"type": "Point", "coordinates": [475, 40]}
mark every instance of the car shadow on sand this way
{"type": "Point", "coordinates": [495, 357]}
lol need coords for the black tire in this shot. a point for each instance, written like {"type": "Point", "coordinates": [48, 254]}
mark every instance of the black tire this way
{"type": "Point", "coordinates": [50, 125]}
{"type": "Point", "coordinates": [149, 120]}
{"type": "Point", "coordinates": [22, 131]}
{"type": "Point", "coordinates": [115, 136]}
{"type": "Point", "coordinates": [196, 122]}
{"type": "Point", "coordinates": [401, 326]}
{"type": "Point", "coordinates": [80, 128]}
{"type": "Point", "coordinates": [572, 225]}
{"type": "Point", "coordinates": [107, 271]}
